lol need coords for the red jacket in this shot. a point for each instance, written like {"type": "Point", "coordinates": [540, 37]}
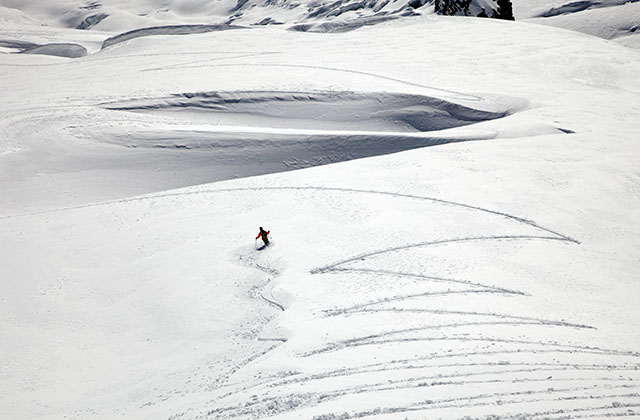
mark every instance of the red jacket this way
{"type": "Point", "coordinates": [263, 234]}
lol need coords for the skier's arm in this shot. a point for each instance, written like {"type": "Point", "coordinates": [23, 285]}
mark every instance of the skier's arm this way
{"type": "Point", "coordinates": [258, 235]}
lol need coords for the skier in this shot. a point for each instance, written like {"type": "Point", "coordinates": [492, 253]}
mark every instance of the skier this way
{"type": "Point", "coordinates": [264, 234]}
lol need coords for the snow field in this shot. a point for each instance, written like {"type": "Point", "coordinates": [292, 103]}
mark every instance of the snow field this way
{"type": "Point", "coordinates": [157, 67]}
{"type": "Point", "coordinates": [448, 319]}
{"type": "Point", "coordinates": [487, 278]}
{"type": "Point", "coordinates": [390, 322]}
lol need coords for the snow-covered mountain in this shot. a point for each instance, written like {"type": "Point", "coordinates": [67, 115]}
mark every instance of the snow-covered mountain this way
{"type": "Point", "coordinates": [453, 204]}
{"type": "Point", "coordinates": [121, 15]}
{"type": "Point", "coordinates": [609, 19]}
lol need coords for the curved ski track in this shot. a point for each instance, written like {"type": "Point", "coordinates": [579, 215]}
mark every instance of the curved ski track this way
{"type": "Point", "coordinates": [455, 94]}
{"type": "Point", "coordinates": [559, 377]}
{"type": "Point", "coordinates": [441, 362]}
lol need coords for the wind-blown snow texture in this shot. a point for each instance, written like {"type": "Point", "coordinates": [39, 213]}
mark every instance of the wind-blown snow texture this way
{"type": "Point", "coordinates": [493, 276]}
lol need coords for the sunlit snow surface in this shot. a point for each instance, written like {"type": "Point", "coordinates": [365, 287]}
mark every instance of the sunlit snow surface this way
{"type": "Point", "coordinates": [494, 276]}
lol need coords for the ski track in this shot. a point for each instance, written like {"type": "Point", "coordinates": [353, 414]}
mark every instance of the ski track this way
{"type": "Point", "coordinates": [485, 288]}
{"type": "Point", "coordinates": [362, 257]}
{"type": "Point", "coordinates": [291, 401]}
{"type": "Point", "coordinates": [190, 65]}
{"type": "Point", "coordinates": [458, 95]}
{"type": "Point", "coordinates": [96, 58]}
{"type": "Point", "coordinates": [265, 293]}
{"type": "Point", "coordinates": [443, 403]}
{"type": "Point", "coordinates": [507, 359]}
{"type": "Point", "coordinates": [522, 367]}
{"type": "Point", "coordinates": [527, 320]}
{"type": "Point", "coordinates": [307, 188]}
{"type": "Point", "coordinates": [269, 299]}
{"type": "Point", "coordinates": [531, 367]}
{"type": "Point", "coordinates": [455, 402]}
{"type": "Point", "coordinates": [297, 391]}
{"type": "Point", "coordinates": [342, 345]}
{"type": "Point", "coordinates": [361, 308]}
{"type": "Point", "coordinates": [419, 382]}
{"type": "Point", "coordinates": [187, 64]}
{"type": "Point", "coordinates": [238, 55]}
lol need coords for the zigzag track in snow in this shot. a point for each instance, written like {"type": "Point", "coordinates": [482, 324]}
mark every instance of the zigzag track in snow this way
{"type": "Point", "coordinates": [277, 392]}
{"type": "Point", "coordinates": [399, 336]}
{"type": "Point", "coordinates": [265, 293]}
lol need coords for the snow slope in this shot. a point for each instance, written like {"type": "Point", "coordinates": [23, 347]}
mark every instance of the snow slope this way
{"type": "Point", "coordinates": [162, 108]}
{"type": "Point", "coordinates": [617, 23]}
{"type": "Point", "coordinates": [494, 278]}
{"type": "Point", "coordinates": [618, 20]}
